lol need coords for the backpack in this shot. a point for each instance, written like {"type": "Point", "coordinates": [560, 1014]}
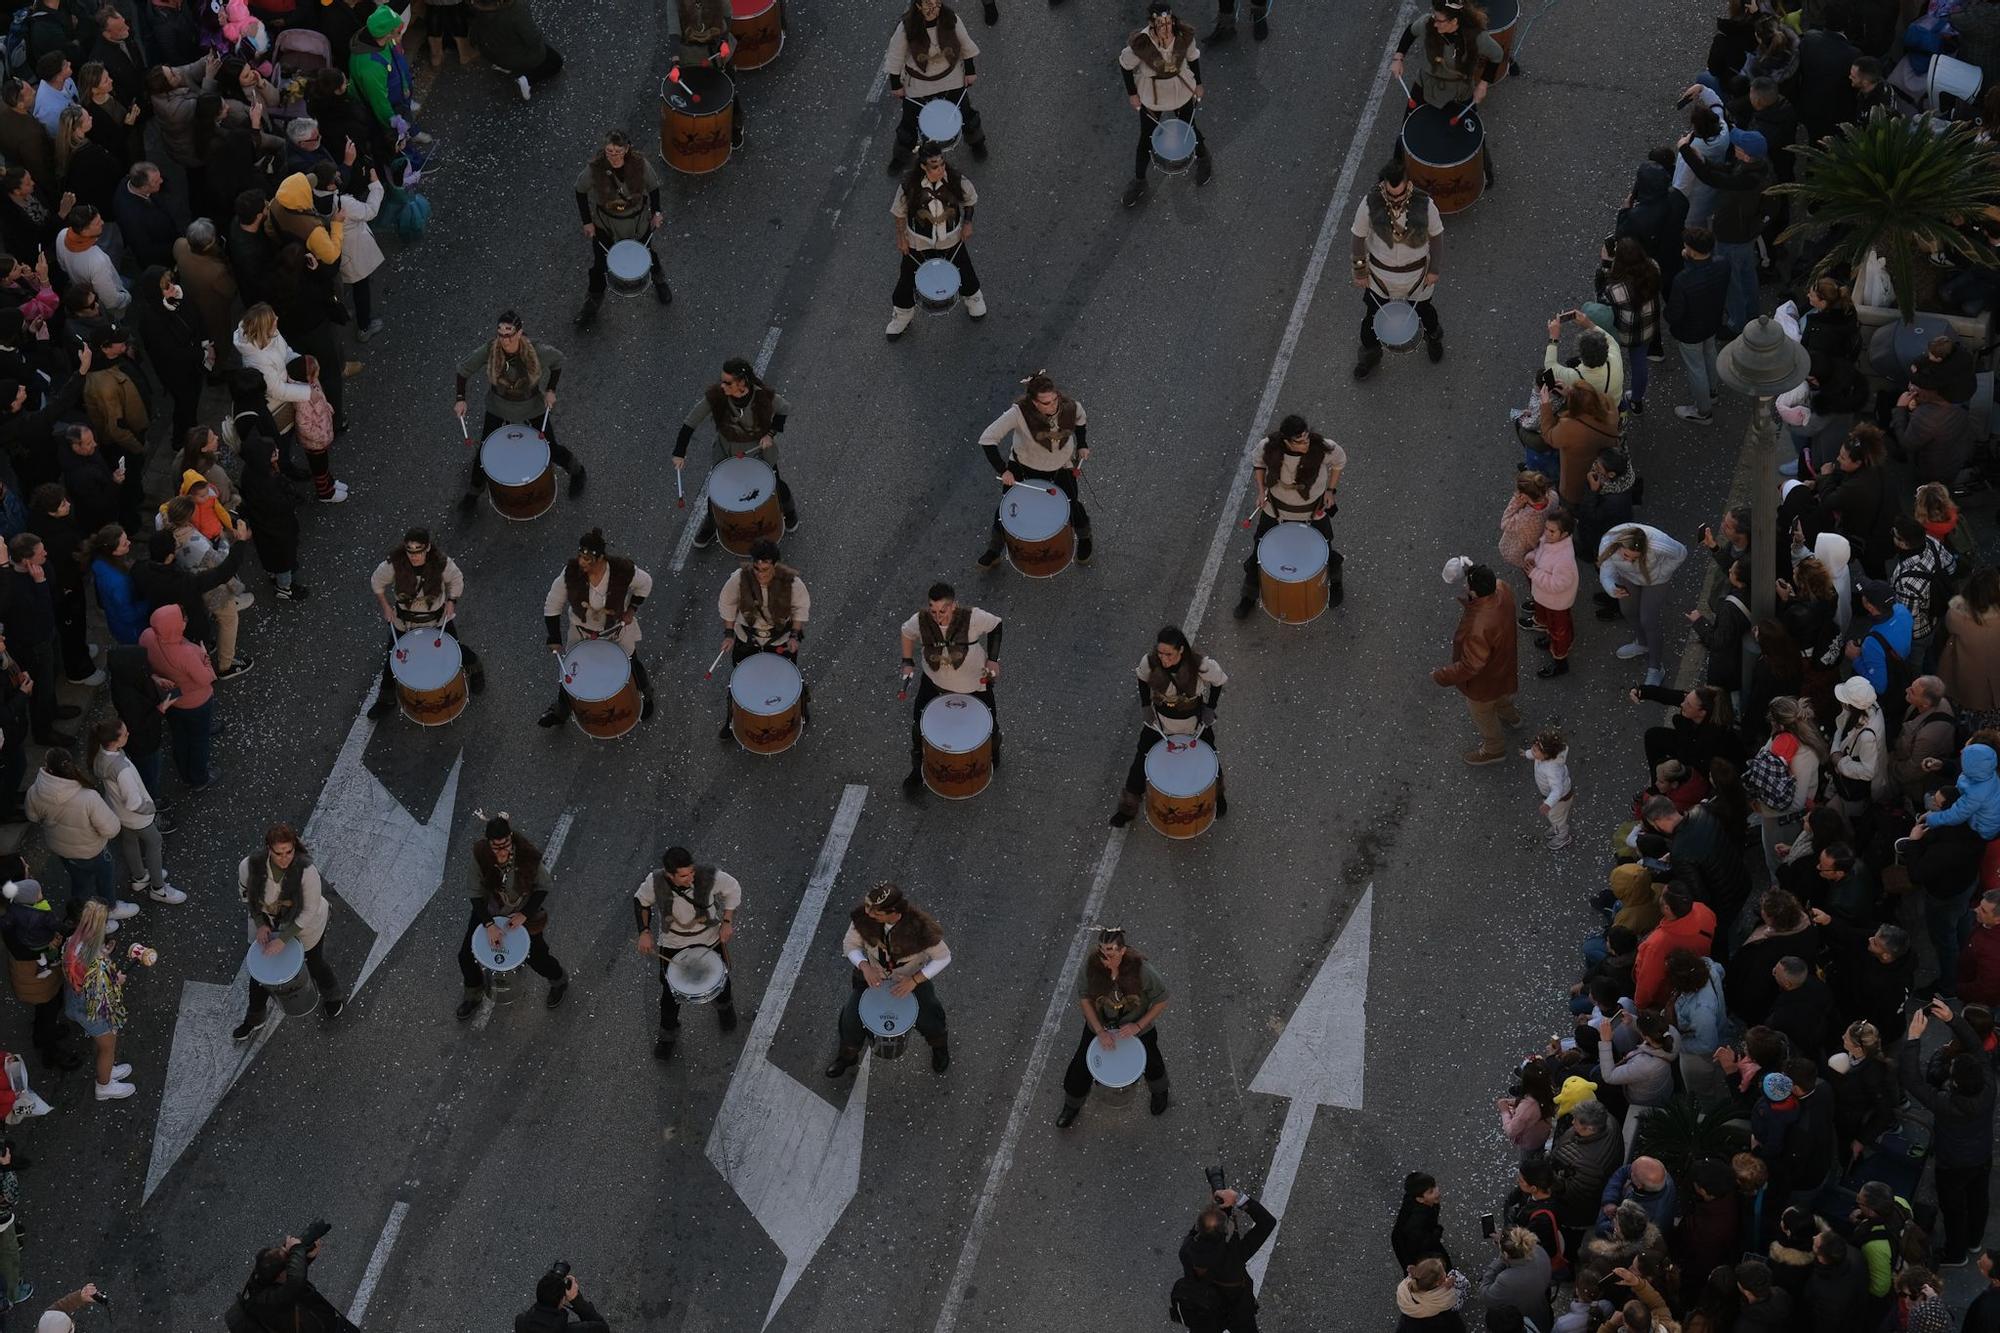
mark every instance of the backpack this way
{"type": "Point", "coordinates": [409, 213]}
{"type": "Point", "coordinates": [1901, 673]}
{"type": "Point", "coordinates": [313, 420]}
{"type": "Point", "coordinates": [15, 44]}
{"type": "Point", "coordinates": [1768, 779]}
{"type": "Point", "coordinates": [1193, 1302]}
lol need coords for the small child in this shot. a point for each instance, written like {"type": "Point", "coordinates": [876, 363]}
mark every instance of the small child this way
{"type": "Point", "coordinates": [34, 922]}
{"type": "Point", "coordinates": [1550, 754]}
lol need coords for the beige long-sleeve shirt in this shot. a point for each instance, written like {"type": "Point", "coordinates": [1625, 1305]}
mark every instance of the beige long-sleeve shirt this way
{"type": "Point", "coordinates": [1010, 435]}
{"type": "Point", "coordinates": [750, 619]}
{"type": "Point", "coordinates": [935, 72]}
{"type": "Point", "coordinates": [678, 923]}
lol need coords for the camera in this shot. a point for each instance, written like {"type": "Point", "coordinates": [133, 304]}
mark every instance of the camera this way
{"type": "Point", "coordinates": [102, 1298]}
{"type": "Point", "coordinates": [560, 1268]}
{"type": "Point", "coordinates": [1216, 1178]}
{"type": "Point", "coordinates": [315, 1232]}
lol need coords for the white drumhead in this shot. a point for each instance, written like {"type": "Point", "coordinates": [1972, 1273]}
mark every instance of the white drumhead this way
{"type": "Point", "coordinates": [696, 973]}
{"type": "Point", "coordinates": [425, 659]}
{"type": "Point", "coordinates": [765, 685]}
{"type": "Point", "coordinates": [884, 1014]}
{"type": "Point", "coordinates": [1030, 513]}
{"type": "Point", "coordinates": [275, 969]}
{"type": "Point", "coordinates": [1180, 767]}
{"type": "Point", "coordinates": [937, 281]}
{"type": "Point", "coordinates": [739, 485]}
{"type": "Point", "coordinates": [1118, 1067]}
{"type": "Point", "coordinates": [940, 121]}
{"type": "Point", "coordinates": [514, 455]}
{"type": "Point", "coordinates": [1292, 553]}
{"type": "Point", "coordinates": [1396, 324]}
{"type": "Point", "coordinates": [513, 950]}
{"type": "Point", "coordinates": [956, 723]}
{"type": "Point", "coordinates": [628, 261]}
{"type": "Point", "coordinates": [595, 669]}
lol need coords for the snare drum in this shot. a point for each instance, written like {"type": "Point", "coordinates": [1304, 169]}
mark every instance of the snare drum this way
{"type": "Point", "coordinates": [765, 699]}
{"type": "Point", "coordinates": [697, 116]}
{"type": "Point", "coordinates": [1034, 518]}
{"type": "Point", "coordinates": [1173, 145]}
{"type": "Point", "coordinates": [1447, 161]}
{"type": "Point", "coordinates": [628, 268]}
{"type": "Point", "coordinates": [940, 123]}
{"type": "Point", "coordinates": [1118, 1067]}
{"type": "Point", "coordinates": [937, 285]}
{"type": "Point", "coordinates": [284, 974]}
{"type": "Point", "coordinates": [759, 29]}
{"type": "Point", "coordinates": [696, 974]}
{"type": "Point", "coordinates": [1396, 325]}
{"type": "Point", "coordinates": [743, 501]}
{"type": "Point", "coordinates": [597, 677]}
{"type": "Point", "coordinates": [1181, 777]}
{"type": "Point", "coordinates": [957, 732]}
{"type": "Point", "coordinates": [1291, 573]}
{"type": "Point", "coordinates": [1503, 25]}
{"type": "Point", "coordinates": [888, 1018]}
{"type": "Point", "coordinates": [520, 476]}
{"type": "Point", "coordinates": [429, 668]}
{"type": "Point", "coordinates": [513, 950]}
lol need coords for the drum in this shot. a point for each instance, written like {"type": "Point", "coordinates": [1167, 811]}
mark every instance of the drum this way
{"type": "Point", "coordinates": [1503, 25]}
{"type": "Point", "coordinates": [520, 476]}
{"type": "Point", "coordinates": [937, 285]}
{"type": "Point", "coordinates": [697, 975]}
{"type": "Point", "coordinates": [1034, 518]}
{"type": "Point", "coordinates": [759, 29]}
{"type": "Point", "coordinates": [1118, 1067]}
{"type": "Point", "coordinates": [429, 668]}
{"type": "Point", "coordinates": [1181, 775]}
{"type": "Point", "coordinates": [1447, 161]}
{"type": "Point", "coordinates": [957, 732]}
{"type": "Point", "coordinates": [284, 975]}
{"type": "Point", "coordinates": [697, 116]}
{"type": "Point", "coordinates": [1397, 325]}
{"type": "Point", "coordinates": [1173, 145]}
{"type": "Point", "coordinates": [888, 1018]}
{"type": "Point", "coordinates": [1291, 573]}
{"type": "Point", "coordinates": [597, 677]}
{"type": "Point", "coordinates": [513, 950]}
{"type": "Point", "coordinates": [628, 268]}
{"type": "Point", "coordinates": [765, 698]}
{"type": "Point", "coordinates": [743, 501]}
{"type": "Point", "coordinates": [941, 122]}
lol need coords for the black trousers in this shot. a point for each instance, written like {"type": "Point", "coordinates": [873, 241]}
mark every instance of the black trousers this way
{"type": "Point", "coordinates": [906, 128]}
{"type": "Point", "coordinates": [928, 690]}
{"type": "Point", "coordinates": [540, 961]}
{"type": "Point", "coordinates": [786, 506]}
{"type": "Point", "coordinates": [389, 653]}
{"type": "Point", "coordinates": [72, 612]}
{"type": "Point", "coordinates": [905, 294]}
{"type": "Point", "coordinates": [316, 966]}
{"type": "Point", "coordinates": [475, 480]}
{"type": "Point", "coordinates": [1427, 316]}
{"type": "Point", "coordinates": [1077, 1080]}
{"type": "Point", "coordinates": [1962, 1205]}
{"type": "Point", "coordinates": [1135, 776]}
{"type": "Point", "coordinates": [39, 661]}
{"type": "Point", "coordinates": [1064, 480]}
{"type": "Point", "coordinates": [930, 1015]}
{"type": "Point", "coordinates": [670, 1008]}
{"type": "Point", "coordinates": [1252, 584]}
{"type": "Point", "coordinates": [600, 252]}
{"type": "Point", "coordinates": [1147, 120]}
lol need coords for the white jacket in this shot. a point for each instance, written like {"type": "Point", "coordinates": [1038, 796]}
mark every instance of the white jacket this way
{"type": "Point", "coordinates": [76, 823]}
{"type": "Point", "coordinates": [270, 362]}
{"type": "Point", "coordinates": [360, 254]}
{"type": "Point", "coordinates": [124, 790]}
{"type": "Point", "coordinates": [1857, 749]}
{"type": "Point", "coordinates": [94, 267]}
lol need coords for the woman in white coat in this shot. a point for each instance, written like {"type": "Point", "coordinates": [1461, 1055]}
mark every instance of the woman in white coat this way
{"type": "Point", "coordinates": [1860, 775]}
{"type": "Point", "coordinates": [265, 351]}
{"type": "Point", "coordinates": [286, 901]}
{"type": "Point", "coordinates": [361, 254]}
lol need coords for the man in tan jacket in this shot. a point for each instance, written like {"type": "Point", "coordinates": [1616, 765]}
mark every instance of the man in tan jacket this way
{"type": "Point", "coordinates": [1483, 662]}
{"type": "Point", "coordinates": [117, 408]}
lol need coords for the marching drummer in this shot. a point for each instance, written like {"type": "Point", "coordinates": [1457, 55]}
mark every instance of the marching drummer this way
{"type": "Point", "coordinates": [961, 655]}
{"type": "Point", "coordinates": [764, 607]}
{"type": "Point", "coordinates": [418, 587]}
{"type": "Point", "coordinates": [892, 941]}
{"type": "Point", "coordinates": [1225, 21]}
{"type": "Point", "coordinates": [931, 55]}
{"type": "Point", "coordinates": [1178, 693]}
{"type": "Point", "coordinates": [933, 213]}
{"type": "Point", "coordinates": [521, 378]}
{"type": "Point", "coordinates": [1044, 431]}
{"type": "Point", "coordinates": [1397, 242]}
{"type": "Point", "coordinates": [1297, 475]}
{"type": "Point", "coordinates": [618, 198]}
{"type": "Point", "coordinates": [686, 906]}
{"type": "Point", "coordinates": [1162, 69]}
{"type": "Point", "coordinates": [705, 43]}
{"type": "Point", "coordinates": [282, 890]}
{"type": "Point", "coordinates": [1122, 997]}
{"type": "Point", "coordinates": [597, 596]}
{"type": "Point", "coordinates": [1458, 60]}
{"type": "Point", "coordinates": [749, 417]}
{"type": "Point", "coordinates": [510, 883]}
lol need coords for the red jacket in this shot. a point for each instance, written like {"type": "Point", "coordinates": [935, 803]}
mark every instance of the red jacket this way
{"type": "Point", "coordinates": [1694, 931]}
{"type": "Point", "coordinates": [1979, 966]}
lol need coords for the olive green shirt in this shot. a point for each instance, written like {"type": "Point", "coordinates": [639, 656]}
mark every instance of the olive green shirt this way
{"type": "Point", "coordinates": [1118, 1008]}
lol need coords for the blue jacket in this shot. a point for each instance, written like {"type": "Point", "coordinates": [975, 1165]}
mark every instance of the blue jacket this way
{"type": "Point", "coordinates": [1978, 802]}
{"type": "Point", "coordinates": [125, 612]}
{"type": "Point", "coordinates": [1895, 630]}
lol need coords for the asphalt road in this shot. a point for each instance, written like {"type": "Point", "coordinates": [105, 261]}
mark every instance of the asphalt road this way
{"type": "Point", "coordinates": [537, 1135]}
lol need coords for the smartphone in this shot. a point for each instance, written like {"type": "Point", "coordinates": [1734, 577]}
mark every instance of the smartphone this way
{"type": "Point", "coordinates": [1572, 315]}
{"type": "Point", "coordinates": [1486, 1225]}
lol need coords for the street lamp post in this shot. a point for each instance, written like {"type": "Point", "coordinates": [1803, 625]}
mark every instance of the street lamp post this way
{"type": "Point", "coordinates": [1763, 362]}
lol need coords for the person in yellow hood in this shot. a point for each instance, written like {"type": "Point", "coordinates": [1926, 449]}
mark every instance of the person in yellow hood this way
{"type": "Point", "coordinates": [305, 210]}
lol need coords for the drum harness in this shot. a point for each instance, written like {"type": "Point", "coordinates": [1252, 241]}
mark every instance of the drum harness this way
{"type": "Point", "coordinates": [700, 896]}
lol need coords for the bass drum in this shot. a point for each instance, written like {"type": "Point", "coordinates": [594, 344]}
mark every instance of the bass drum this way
{"type": "Point", "coordinates": [1447, 161]}
{"type": "Point", "coordinates": [697, 116]}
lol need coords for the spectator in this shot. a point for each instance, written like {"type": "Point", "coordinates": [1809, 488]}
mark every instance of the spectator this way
{"type": "Point", "coordinates": [23, 140]}
{"type": "Point", "coordinates": [1655, 215]}
{"type": "Point", "coordinates": [1739, 181]}
{"type": "Point", "coordinates": [27, 616]}
{"type": "Point", "coordinates": [1855, 489]}
{"type": "Point", "coordinates": [1528, 1119]}
{"type": "Point", "coordinates": [1588, 426]}
{"type": "Point", "coordinates": [95, 996]}
{"type": "Point", "coordinates": [1684, 924]}
{"type": "Point", "coordinates": [1630, 283]}
{"type": "Point", "coordinates": [1585, 1153]}
{"type": "Point", "coordinates": [1518, 1277]}
{"type": "Point", "coordinates": [1865, 1091]}
{"type": "Point", "coordinates": [191, 711]}
{"type": "Point", "coordinates": [1970, 662]}
{"type": "Point", "coordinates": [1428, 1299]}
{"type": "Point", "coordinates": [83, 260]}
{"type": "Point", "coordinates": [202, 267]}
{"type": "Point", "coordinates": [1935, 435]}
{"type": "Point", "coordinates": [1962, 1131]}
{"type": "Point", "coordinates": [84, 167]}
{"type": "Point", "coordinates": [1483, 666]}
{"type": "Point", "coordinates": [1697, 304]}
{"type": "Point", "coordinates": [1552, 581]}
{"type": "Point", "coordinates": [1803, 1009]}
{"type": "Point", "coordinates": [1983, 1315]}
{"type": "Point", "coordinates": [1417, 1233]}
{"type": "Point", "coordinates": [139, 698]}
{"type": "Point", "coordinates": [1979, 961]}
{"type": "Point", "coordinates": [1636, 561]}
{"type": "Point", "coordinates": [54, 90]}
{"type": "Point", "coordinates": [1766, 1307]}
{"type": "Point", "coordinates": [143, 220]}
{"type": "Point", "coordinates": [50, 513]}
{"type": "Point", "coordinates": [280, 1293]}
{"type": "Point", "coordinates": [140, 830]}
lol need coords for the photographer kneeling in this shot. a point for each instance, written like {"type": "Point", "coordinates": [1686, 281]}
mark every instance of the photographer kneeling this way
{"type": "Point", "coordinates": [560, 1307]}
{"type": "Point", "coordinates": [280, 1297]}
{"type": "Point", "coordinates": [1214, 1293]}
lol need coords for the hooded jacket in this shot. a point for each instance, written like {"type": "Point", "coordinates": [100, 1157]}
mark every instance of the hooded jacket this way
{"type": "Point", "coordinates": [1520, 1283]}
{"type": "Point", "coordinates": [1695, 931]}
{"type": "Point", "coordinates": [1655, 218]}
{"type": "Point", "coordinates": [124, 790]}
{"type": "Point", "coordinates": [1978, 802]}
{"type": "Point", "coordinates": [76, 823]}
{"type": "Point", "coordinates": [380, 77]}
{"type": "Point", "coordinates": [295, 214]}
{"type": "Point", "coordinates": [1697, 301]}
{"type": "Point", "coordinates": [171, 655]}
{"type": "Point", "coordinates": [1962, 1130]}
{"type": "Point", "coordinates": [1663, 556]}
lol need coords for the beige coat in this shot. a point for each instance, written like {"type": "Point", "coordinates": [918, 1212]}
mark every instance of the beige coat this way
{"type": "Point", "coordinates": [76, 822]}
{"type": "Point", "coordinates": [1970, 665]}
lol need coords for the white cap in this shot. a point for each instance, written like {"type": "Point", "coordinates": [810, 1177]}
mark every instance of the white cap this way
{"type": "Point", "coordinates": [55, 1321]}
{"type": "Point", "coordinates": [1454, 568]}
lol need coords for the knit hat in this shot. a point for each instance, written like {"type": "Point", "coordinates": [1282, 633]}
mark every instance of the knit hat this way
{"type": "Point", "coordinates": [1454, 568]}
{"type": "Point", "coordinates": [1855, 692]}
{"type": "Point", "coordinates": [1777, 1087]}
{"type": "Point", "coordinates": [1751, 142]}
{"type": "Point", "coordinates": [383, 22]}
{"type": "Point", "coordinates": [27, 892]}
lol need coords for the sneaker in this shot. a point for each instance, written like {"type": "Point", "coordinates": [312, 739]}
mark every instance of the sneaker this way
{"type": "Point", "coordinates": [1628, 651]}
{"type": "Point", "coordinates": [1654, 675]}
{"type": "Point", "coordinates": [1959, 1260]}
{"type": "Point", "coordinates": [913, 785]}
{"type": "Point", "coordinates": [556, 993]}
{"type": "Point", "coordinates": [1656, 357]}
{"type": "Point", "coordinates": [975, 305]}
{"type": "Point", "coordinates": [382, 707]}
{"type": "Point", "coordinates": [1134, 192]}
{"type": "Point", "coordinates": [1365, 364]}
{"type": "Point", "coordinates": [704, 537]}
{"type": "Point", "coordinates": [727, 731]}
{"type": "Point", "coordinates": [1479, 757]}
{"type": "Point", "coordinates": [114, 1091]}
{"type": "Point", "coordinates": [992, 13]}
{"type": "Point", "coordinates": [120, 1071]}
{"type": "Point", "coordinates": [791, 524]}
{"type": "Point", "coordinates": [339, 496]}
{"type": "Point", "coordinates": [587, 316]}
{"type": "Point", "coordinates": [1121, 817]}
{"type": "Point", "coordinates": [940, 1059]}
{"type": "Point", "coordinates": [167, 894]}
{"type": "Point", "coordinates": [247, 1029]}
{"type": "Point", "coordinates": [552, 718]}
{"type": "Point", "coordinates": [899, 320]}
{"type": "Point", "coordinates": [1435, 347]}
{"type": "Point", "coordinates": [1526, 620]}
{"type": "Point", "coordinates": [577, 476]}
{"type": "Point", "coordinates": [245, 600]}
{"type": "Point", "coordinates": [663, 1049]}
{"type": "Point", "coordinates": [293, 592]}
{"type": "Point", "coordinates": [166, 826]}
{"type": "Point", "coordinates": [1204, 168]}
{"type": "Point", "coordinates": [1244, 606]}
{"type": "Point", "coordinates": [332, 1008]}
{"type": "Point", "coordinates": [374, 327]}
{"type": "Point", "coordinates": [1559, 667]}
{"type": "Point", "coordinates": [646, 707]}
{"type": "Point", "coordinates": [1085, 548]}
{"type": "Point", "coordinates": [1557, 844]}
{"type": "Point", "coordinates": [988, 557]}
{"type": "Point", "coordinates": [110, 928]}
{"type": "Point", "coordinates": [1790, 468]}
{"type": "Point", "coordinates": [521, 82]}
{"type": "Point", "coordinates": [124, 911]}
{"type": "Point", "coordinates": [466, 1008]}
{"type": "Point", "coordinates": [240, 667]}
{"type": "Point", "coordinates": [1067, 1116]}
{"type": "Point", "coordinates": [91, 681]}
{"type": "Point", "coordinates": [1694, 415]}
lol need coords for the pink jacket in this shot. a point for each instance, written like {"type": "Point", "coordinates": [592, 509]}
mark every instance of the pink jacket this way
{"type": "Point", "coordinates": [185, 664]}
{"type": "Point", "coordinates": [1521, 527]}
{"type": "Point", "coordinates": [1552, 574]}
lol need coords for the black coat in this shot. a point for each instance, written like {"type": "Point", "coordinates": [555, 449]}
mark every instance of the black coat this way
{"type": "Point", "coordinates": [94, 496]}
{"type": "Point", "coordinates": [172, 338]}
{"type": "Point", "coordinates": [126, 64]}
{"type": "Point", "coordinates": [148, 228]}
{"type": "Point", "coordinates": [160, 583]}
{"type": "Point", "coordinates": [1864, 1102]}
{"type": "Point", "coordinates": [1807, 1017]}
{"type": "Point", "coordinates": [1417, 1234]}
{"type": "Point", "coordinates": [580, 1317]}
{"type": "Point", "coordinates": [293, 1305]}
{"type": "Point", "coordinates": [94, 175]}
{"type": "Point", "coordinates": [136, 697]}
{"type": "Point", "coordinates": [1824, 95]}
{"type": "Point", "coordinates": [65, 540]}
{"type": "Point", "coordinates": [25, 238]}
{"type": "Point", "coordinates": [1747, 985]}
{"type": "Point", "coordinates": [1697, 302]}
{"type": "Point", "coordinates": [1655, 218]}
{"type": "Point", "coordinates": [270, 507]}
{"type": "Point", "coordinates": [1863, 512]}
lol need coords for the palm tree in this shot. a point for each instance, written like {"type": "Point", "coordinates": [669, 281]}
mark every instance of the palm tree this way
{"type": "Point", "coordinates": [1897, 186]}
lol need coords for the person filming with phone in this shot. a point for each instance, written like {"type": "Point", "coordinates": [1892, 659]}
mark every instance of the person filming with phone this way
{"type": "Point", "coordinates": [1215, 1294]}
{"type": "Point", "coordinates": [280, 1296]}
{"type": "Point", "coordinates": [560, 1307]}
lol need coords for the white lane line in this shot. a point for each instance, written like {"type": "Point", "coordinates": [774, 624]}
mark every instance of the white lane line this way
{"type": "Point", "coordinates": [1062, 1004]}
{"type": "Point", "coordinates": [379, 1260]}
{"type": "Point", "coordinates": [785, 973]}
{"type": "Point", "coordinates": [876, 88]}
{"type": "Point", "coordinates": [1331, 227]}
{"type": "Point", "coordinates": [558, 835]}
{"type": "Point", "coordinates": [698, 502]}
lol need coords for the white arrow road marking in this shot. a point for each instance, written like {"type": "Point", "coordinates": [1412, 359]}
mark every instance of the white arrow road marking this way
{"type": "Point", "coordinates": [1318, 1060]}
{"type": "Point", "coordinates": [384, 864]}
{"type": "Point", "coordinates": [793, 1159]}
{"type": "Point", "coordinates": [371, 1277]}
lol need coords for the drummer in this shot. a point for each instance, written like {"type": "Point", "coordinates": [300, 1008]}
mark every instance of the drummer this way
{"type": "Point", "coordinates": [698, 911]}
{"type": "Point", "coordinates": [961, 648]}
{"type": "Point", "coordinates": [1122, 996]}
{"type": "Point", "coordinates": [764, 607]}
{"type": "Point", "coordinates": [1297, 474]}
{"type": "Point", "coordinates": [1397, 244]}
{"type": "Point", "coordinates": [509, 882]}
{"type": "Point", "coordinates": [418, 587]}
{"type": "Point", "coordinates": [521, 380]}
{"type": "Point", "coordinates": [618, 198]}
{"type": "Point", "coordinates": [597, 596]}
{"type": "Point", "coordinates": [705, 43]}
{"type": "Point", "coordinates": [1178, 693]}
{"type": "Point", "coordinates": [281, 888]}
{"type": "Point", "coordinates": [1162, 69]}
{"type": "Point", "coordinates": [888, 936]}
{"type": "Point", "coordinates": [933, 212]}
{"type": "Point", "coordinates": [931, 55]}
{"type": "Point", "coordinates": [1457, 63]}
{"type": "Point", "coordinates": [1225, 21]}
{"type": "Point", "coordinates": [749, 417]}
{"type": "Point", "coordinates": [1045, 435]}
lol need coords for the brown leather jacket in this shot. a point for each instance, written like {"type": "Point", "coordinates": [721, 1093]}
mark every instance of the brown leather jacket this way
{"type": "Point", "coordinates": [1483, 658]}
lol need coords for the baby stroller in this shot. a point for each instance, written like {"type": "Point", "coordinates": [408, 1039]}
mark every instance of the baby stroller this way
{"type": "Point", "coordinates": [299, 54]}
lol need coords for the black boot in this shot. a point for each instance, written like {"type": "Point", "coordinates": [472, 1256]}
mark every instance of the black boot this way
{"type": "Point", "coordinates": [1559, 667]}
{"type": "Point", "coordinates": [1224, 29]}
{"type": "Point", "coordinates": [847, 1058]}
{"type": "Point", "coordinates": [913, 784]}
{"type": "Point", "coordinates": [576, 480]}
{"type": "Point", "coordinates": [1071, 1109]}
{"type": "Point", "coordinates": [940, 1058]}
{"type": "Point", "coordinates": [587, 316]}
{"type": "Point", "coordinates": [663, 1046]}
{"type": "Point", "coordinates": [1260, 22]}
{"type": "Point", "coordinates": [1365, 364]}
{"type": "Point", "coordinates": [1204, 166]}
{"type": "Point", "coordinates": [1434, 344]}
{"type": "Point", "coordinates": [384, 704]}
{"type": "Point", "coordinates": [1245, 605]}
{"type": "Point", "coordinates": [662, 291]}
{"type": "Point", "coordinates": [992, 13]}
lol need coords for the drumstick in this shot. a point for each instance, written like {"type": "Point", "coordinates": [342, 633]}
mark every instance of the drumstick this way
{"type": "Point", "coordinates": [465, 434]}
{"type": "Point", "coordinates": [712, 665]}
{"type": "Point", "coordinates": [674, 77]}
{"type": "Point", "coordinates": [1253, 513]}
{"type": "Point", "coordinates": [903, 688]}
{"type": "Point", "coordinates": [1050, 489]}
{"type": "Point", "coordinates": [545, 419]}
{"type": "Point", "coordinates": [1463, 112]}
{"type": "Point", "coordinates": [1407, 97]}
{"type": "Point", "coordinates": [680, 500]}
